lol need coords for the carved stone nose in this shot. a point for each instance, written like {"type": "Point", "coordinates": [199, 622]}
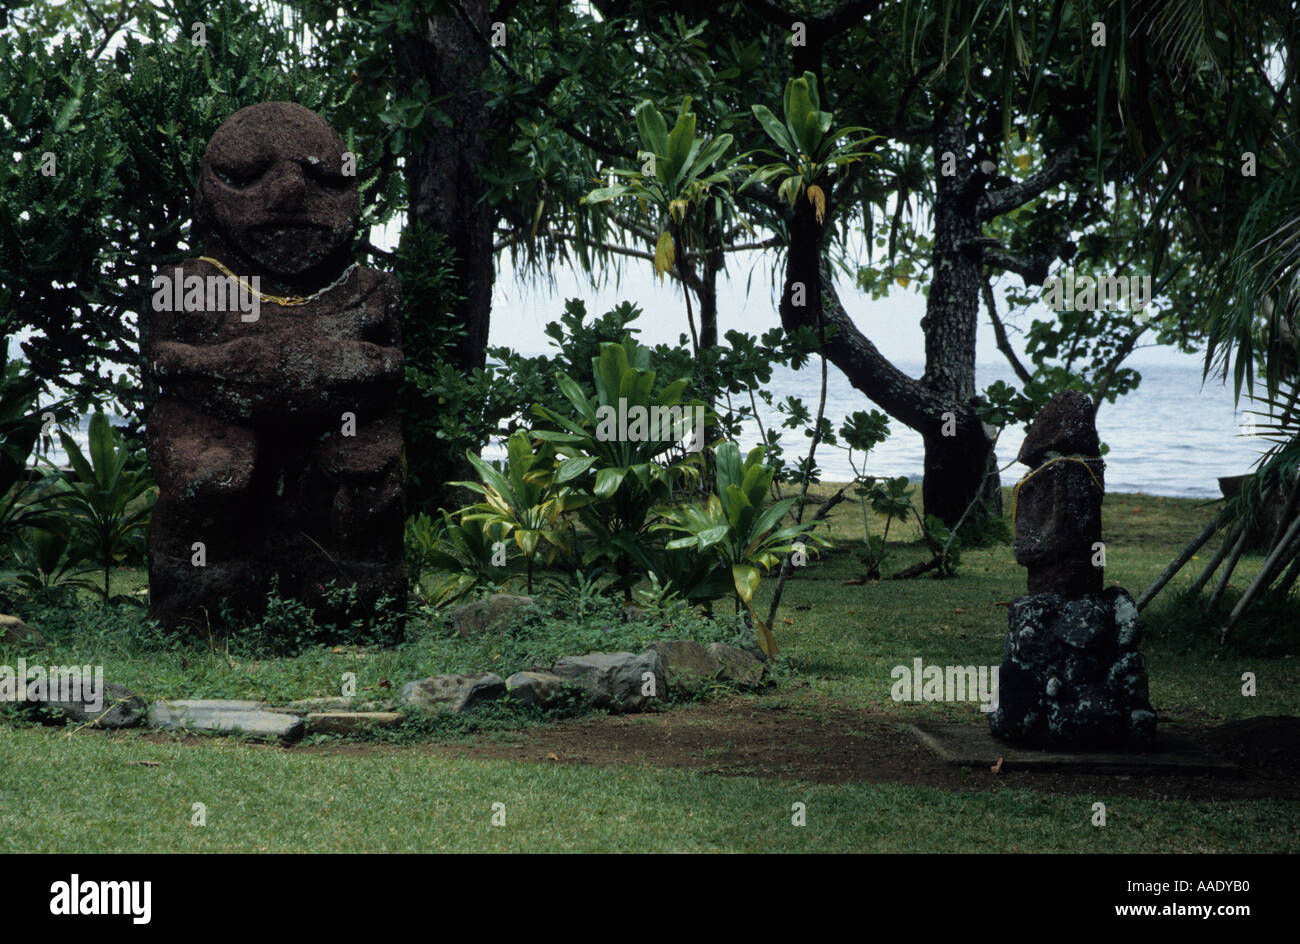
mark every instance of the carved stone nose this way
{"type": "Point", "coordinates": [287, 187]}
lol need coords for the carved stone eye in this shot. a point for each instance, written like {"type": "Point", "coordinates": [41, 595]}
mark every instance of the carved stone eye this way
{"type": "Point", "coordinates": [327, 179]}
{"type": "Point", "coordinates": [238, 177]}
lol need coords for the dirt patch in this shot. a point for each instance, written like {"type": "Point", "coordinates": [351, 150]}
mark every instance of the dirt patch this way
{"type": "Point", "coordinates": [735, 737]}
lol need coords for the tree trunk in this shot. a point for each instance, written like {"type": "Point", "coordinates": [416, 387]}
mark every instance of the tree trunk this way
{"type": "Point", "coordinates": [711, 265]}
{"type": "Point", "coordinates": [957, 455]}
{"type": "Point", "coordinates": [445, 188]}
{"type": "Point", "coordinates": [942, 401]}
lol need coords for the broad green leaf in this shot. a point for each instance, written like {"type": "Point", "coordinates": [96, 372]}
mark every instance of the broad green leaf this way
{"type": "Point", "coordinates": [714, 535]}
{"type": "Point", "coordinates": [802, 117]}
{"type": "Point", "coordinates": [570, 469]}
{"type": "Point", "coordinates": [775, 129]}
{"type": "Point", "coordinates": [652, 127]}
{"type": "Point", "coordinates": [604, 194]}
{"type": "Point", "coordinates": [102, 452]}
{"type": "Point", "coordinates": [608, 481]}
{"type": "Point", "coordinates": [681, 144]}
{"type": "Point", "coordinates": [527, 541]}
{"type": "Point", "coordinates": [76, 459]}
{"type": "Point", "coordinates": [746, 578]}
{"type": "Point", "coordinates": [573, 392]}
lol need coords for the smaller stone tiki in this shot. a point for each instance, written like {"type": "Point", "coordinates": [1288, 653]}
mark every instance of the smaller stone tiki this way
{"type": "Point", "coordinates": [1072, 675]}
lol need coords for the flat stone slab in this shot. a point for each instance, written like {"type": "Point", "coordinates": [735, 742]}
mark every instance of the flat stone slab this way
{"type": "Point", "coordinates": [972, 745]}
{"type": "Point", "coordinates": [224, 717]}
{"type": "Point", "coordinates": [337, 703]}
{"type": "Point", "coordinates": [349, 722]}
{"type": "Point", "coordinates": [214, 704]}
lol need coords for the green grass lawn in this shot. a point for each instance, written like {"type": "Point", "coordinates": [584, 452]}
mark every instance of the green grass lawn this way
{"type": "Point", "coordinates": [84, 794]}
{"type": "Point", "coordinates": [80, 791]}
{"type": "Point", "coordinates": [849, 637]}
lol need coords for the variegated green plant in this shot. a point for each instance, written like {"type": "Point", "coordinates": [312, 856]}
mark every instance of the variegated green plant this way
{"type": "Point", "coordinates": [466, 551]}
{"type": "Point", "coordinates": [740, 528]}
{"type": "Point", "coordinates": [809, 150]}
{"type": "Point", "coordinates": [626, 478]}
{"type": "Point", "coordinates": [110, 497]}
{"type": "Point", "coordinates": [682, 172]}
{"type": "Point", "coordinates": [525, 501]}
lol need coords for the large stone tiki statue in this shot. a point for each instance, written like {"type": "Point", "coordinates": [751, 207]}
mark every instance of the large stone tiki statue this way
{"type": "Point", "coordinates": [274, 440]}
{"type": "Point", "coordinates": [1072, 676]}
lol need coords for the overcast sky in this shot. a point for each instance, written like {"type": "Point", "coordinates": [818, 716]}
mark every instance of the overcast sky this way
{"type": "Point", "coordinates": [520, 312]}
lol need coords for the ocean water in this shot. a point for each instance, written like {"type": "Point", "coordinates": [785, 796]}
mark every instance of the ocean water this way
{"type": "Point", "coordinates": [1172, 436]}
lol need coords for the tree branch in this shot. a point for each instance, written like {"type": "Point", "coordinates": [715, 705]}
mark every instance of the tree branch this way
{"type": "Point", "coordinates": [996, 202]}
{"type": "Point", "coordinates": [1000, 332]}
{"type": "Point", "coordinates": [821, 26]}
{"type": "Point", "coordinates": [1033, 270]}
{"type": "Point", "coordinates": [906, 399]}
{"type": "Point", "coordinates": [1122, 352]}
{"type": "Point", "coordinates": [565, 124]}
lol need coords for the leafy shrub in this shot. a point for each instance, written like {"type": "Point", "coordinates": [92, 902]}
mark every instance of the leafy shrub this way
{"type": "Point", "coordinates": [50, 562]}
{"type": "Point", "coordinates": [288, 626]}
{"type": "Point", "coordinates": [524, 501]}
{"type": "Point", "coordinates": [623, 481]}
{"type": "Point", "coordinates": [110, 499]}
{"type": "Point", "coordinates": [738, 529]}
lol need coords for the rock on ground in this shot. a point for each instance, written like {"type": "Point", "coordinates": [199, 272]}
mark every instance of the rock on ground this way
{"type": "Point", "coordinates": [219, 716]}
{"type": "Point", "coordinates": [687, 664]}
{"type": "Point", "coordinates": [738, 665]}
{"type": "Point", "coordinates": [14, 632]}
{"type": "Point", "coordinates": [457, 693]}
{"type": "Point", "coordinates": [621, 681]}
{"type": "Point", "coordinates": [121, 708]}
{"type": "Point", "coordinates": [542, 689]}
{"type": "Point", "coordinates": [488, 614]}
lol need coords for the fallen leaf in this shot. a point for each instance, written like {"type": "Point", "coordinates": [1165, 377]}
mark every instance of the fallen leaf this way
{"type": "Point", "coordinates": [552, 756]}
{"type": "Point", "coordinates": [384, 683]}
{"type": "Point", "coordinates": [997, 768]}
{"type": "Point", "coordinates": [787, 621]}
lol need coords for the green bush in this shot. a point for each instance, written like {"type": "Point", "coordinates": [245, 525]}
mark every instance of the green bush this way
{"type": "Point", "coordinates": [288, 626]}
{"type": "Point", "coordinates": [738, 529]}
{"type": "Point", "coordinates": [108, 503]}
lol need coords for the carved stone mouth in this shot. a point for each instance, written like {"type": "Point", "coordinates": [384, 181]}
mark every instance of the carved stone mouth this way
{"type": "Point", "coordinates": [278, 231]}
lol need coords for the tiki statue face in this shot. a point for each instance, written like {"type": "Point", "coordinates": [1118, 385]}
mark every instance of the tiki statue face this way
{"type": "Point", "coordinates": [271, 187]}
